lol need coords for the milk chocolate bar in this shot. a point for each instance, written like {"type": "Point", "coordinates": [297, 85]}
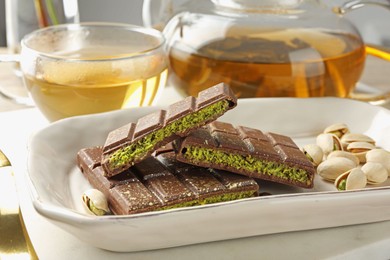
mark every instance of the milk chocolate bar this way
{"type": "Point", "coordinates": [160, 182]}
{"type": "Point", "coordinates": [247, 151]}
{"type": "Point", "coordinates": [133, 142]}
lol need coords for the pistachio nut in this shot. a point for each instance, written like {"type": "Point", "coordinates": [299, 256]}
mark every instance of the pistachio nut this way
{"type": "Point", "coordinates": [355, 137]}
{"type": "Point", "coordinates": [360, 149]}
{"type": "Point", "coordinates": [375, 172]}
{"type": "Point", "coordinates": [380, 156]}
{"type": "Point", "coordinates": [328, 143]}
{"type": "Point", "coordinates": [344, 154]}
{"type": "Point", "coordinates": [95, 202]}
{"type": "Point", "coordinates": [331, 168]}
{"type": "Point", "coordinates": [337, 129]}
{"type": "Point", "coordinates": [352, 179]}
{"type": "Point", "coordinates": [314, 153]}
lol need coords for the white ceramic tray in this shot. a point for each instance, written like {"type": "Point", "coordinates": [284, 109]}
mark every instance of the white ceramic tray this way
{"type": "Point", "coordinates": [57, 184]}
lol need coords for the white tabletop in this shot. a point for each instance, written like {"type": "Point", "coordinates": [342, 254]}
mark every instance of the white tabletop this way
{"type": "Point", "coordinates": [366, 241]}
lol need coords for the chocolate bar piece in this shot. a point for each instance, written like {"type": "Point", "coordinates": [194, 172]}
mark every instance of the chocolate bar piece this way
{"type": "Point", "coordinates": [133, 142]}
{"type": "Point", "coordinates": [247, 151]}
{"type": "Point", "coordinates": [161, 182]}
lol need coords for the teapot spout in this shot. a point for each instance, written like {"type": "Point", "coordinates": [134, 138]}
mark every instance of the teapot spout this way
{"type": "Point", "coordinates": [356, 4]}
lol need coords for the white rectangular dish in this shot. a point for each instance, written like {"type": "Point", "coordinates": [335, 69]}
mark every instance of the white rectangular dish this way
{"type": "Point", "coordinates": [57, 183]}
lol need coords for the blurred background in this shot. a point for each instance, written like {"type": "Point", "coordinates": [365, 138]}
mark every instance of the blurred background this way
{"type": "Point", "coordinates": [93, 10]}
{"type": "Point", "coordinates": [373, 22]}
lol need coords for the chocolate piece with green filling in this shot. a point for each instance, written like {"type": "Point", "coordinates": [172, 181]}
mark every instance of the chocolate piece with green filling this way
{"type": "Point", "coordinates": [247, 151]}
{"type": "Point", "coordinates": [133, 142]}
{"type": "Point", "coordinates": [161, 182]}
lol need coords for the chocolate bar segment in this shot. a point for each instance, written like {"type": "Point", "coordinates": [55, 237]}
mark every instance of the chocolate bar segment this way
{"type": "Point", "coordinates": [160, 182]}
{"type": "Point", "coordinates": [132, 143]}
{"type": "Point", "coordinates": [247, 151]}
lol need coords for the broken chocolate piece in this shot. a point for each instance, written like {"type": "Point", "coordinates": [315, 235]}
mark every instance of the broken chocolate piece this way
{"type": "Point", "coordinates": [132, 143]}
{"type": "Point", "coordinates": [247, 151]}
{"type": "Point", "coordinates": [161, 182]}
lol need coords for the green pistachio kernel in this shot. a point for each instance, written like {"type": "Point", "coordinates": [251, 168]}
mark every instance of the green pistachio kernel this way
{"type": "Point", "coordinates": [342, 185]}
{"type": "Point", "coordinates": [95, 210]}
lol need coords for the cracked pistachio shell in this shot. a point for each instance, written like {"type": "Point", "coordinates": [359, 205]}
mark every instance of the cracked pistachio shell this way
{"type": "Point", "coordinates": [337, 129]}
{"type": "Point", "coordinates": [344, 154]}
{"type": "Point", "coordinates": [332, 168]}
{"type": "Point", "coordinates": [314, 153]}
{"type": "Point", "coordinates": [356, 137]}
{"type": "Point", "coordinates": [360, 149]}
{"type": "Point", "coordinates": [357, 147]}
{"type": "Point", "coordinates": [376, 173]}
{"type": "Point", "coordinates": [352, 179]}
{"type": "Point", "coordinates": [95, 202]}
{"type": "Point", "coordinates": [328, 143]}
{"type": "Point", "coordinates": [380, 156]}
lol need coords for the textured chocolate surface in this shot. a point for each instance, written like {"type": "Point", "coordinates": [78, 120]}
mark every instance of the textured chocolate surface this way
{"type": "Point", "coordinates": [247, 151]}
{"type": "Point", "coordinates": [138, 134]}
{"type": "Point", "coordinates": [161, 182]}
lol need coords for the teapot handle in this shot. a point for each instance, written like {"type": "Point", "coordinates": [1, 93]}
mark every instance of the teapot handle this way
{"type": "Point", "coordinates": [368, 94]}
{"type": "Point", "coordinates": [377, 51]}
{"type": "Point", "coordinates": [156, 13]}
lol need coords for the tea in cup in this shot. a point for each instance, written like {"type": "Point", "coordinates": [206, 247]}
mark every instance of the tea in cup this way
{"type": "Point", "coordinates": [24, 17]}
{"type": "Point", "coordinates": [86, 68]}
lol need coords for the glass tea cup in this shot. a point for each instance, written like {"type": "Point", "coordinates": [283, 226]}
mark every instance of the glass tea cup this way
{"type": "Point", "coordinates": [23, 17]}
{"type": "Point", "coordinates": [76, 69]}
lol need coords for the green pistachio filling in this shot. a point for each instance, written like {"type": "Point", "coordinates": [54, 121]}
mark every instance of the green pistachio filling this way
{"type": "Point", "coordinates": [213, 199]}
{"type": "Point", "coordinates": [227, 197]}
{"type": "Point", "coordinates": [247, 163]}
{"type": "Point", "coordinates": [181, 205]}
{"type": "Point", "coordinates": [140, 148]}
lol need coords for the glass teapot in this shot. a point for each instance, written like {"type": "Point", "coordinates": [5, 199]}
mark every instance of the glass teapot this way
{"type": "Point", "coordinates": [262, 48]}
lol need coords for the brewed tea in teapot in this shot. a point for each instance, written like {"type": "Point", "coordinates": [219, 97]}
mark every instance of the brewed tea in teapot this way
{"type": "Point", "coordinates": [287, 63]}
{"type": "Point", "coordinates": [266, 48]}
